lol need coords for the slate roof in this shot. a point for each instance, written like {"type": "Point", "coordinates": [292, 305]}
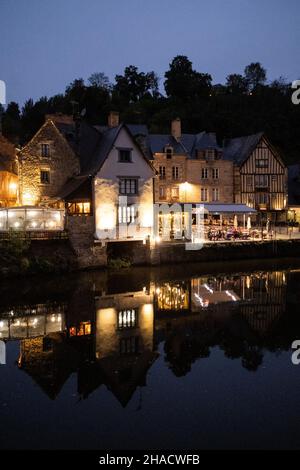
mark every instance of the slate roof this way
{"type": "Point", "coordinates": [74, 186]}
{"type": "Point", "coordinates": [240, 148]}
{"type": "Point", "coordinates": [294, 184]}
{"type": "Point", "coordinates": [187, 144]}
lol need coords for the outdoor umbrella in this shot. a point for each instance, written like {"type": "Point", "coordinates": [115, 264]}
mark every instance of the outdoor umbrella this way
{"type": "Point", "coordinates": [235, 222]}
{"type": "Point", "coordinates": [248, 223]}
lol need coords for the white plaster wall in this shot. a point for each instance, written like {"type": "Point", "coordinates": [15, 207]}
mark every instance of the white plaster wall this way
{"type": "Point", "coordinates": [106, 190]}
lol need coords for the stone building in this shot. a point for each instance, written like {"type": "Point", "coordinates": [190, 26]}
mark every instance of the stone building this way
{"type": "Point", "coordinates": [294, 192]}
{"type": "Point", "coordinates": [47, 161]}
{"type": "Point", "coordinates": [106, 178]}
{"type": "Point", "coordinates": [190, 167]}
{"type": "Point", "coordinates": [114, 190]}
{"type": "Point", "coordinates": [8, 174]}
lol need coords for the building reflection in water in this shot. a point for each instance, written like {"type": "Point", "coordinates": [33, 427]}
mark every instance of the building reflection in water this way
{"type": "Point", "coordinates": [112, 340]}
{"type": "Point", "coordinates": [124, 341]}
{"type": "Point", "coordinates": [31, 321]}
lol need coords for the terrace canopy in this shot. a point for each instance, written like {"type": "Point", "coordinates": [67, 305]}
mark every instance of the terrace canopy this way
{"type": "Point", "coordinates": [215, 208]}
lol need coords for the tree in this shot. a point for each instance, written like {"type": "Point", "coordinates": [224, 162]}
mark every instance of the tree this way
{"type": "Point", "coordinates": [33, 116]}
{"type": "Point", "coordinates": [134, 85]}
{"type": "Point", "coordinates": [255, 75]}
{"type": "Point", "coordinates": [11, 121]}
{"type": "Point", "coordinates": [183, 82]}
{"type": "Point", "coordinates": [75, 93]}
{"type": "Point", "coordinates": [281, 85]}
{"type": "Point", "coordinates": [236, 84]}
{"type": "Point", "coordinates": [99, 80]}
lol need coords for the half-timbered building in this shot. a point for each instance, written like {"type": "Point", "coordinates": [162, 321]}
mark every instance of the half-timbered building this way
{"type": "Point", "coordinates": [260, 175]}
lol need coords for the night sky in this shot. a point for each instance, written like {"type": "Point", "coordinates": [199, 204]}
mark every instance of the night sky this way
{"type": "Point", "coordinates": [45, 44]}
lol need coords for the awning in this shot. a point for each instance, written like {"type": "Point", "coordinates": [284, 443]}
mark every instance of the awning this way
{"type": "Point", "coordinates": [213, 208]}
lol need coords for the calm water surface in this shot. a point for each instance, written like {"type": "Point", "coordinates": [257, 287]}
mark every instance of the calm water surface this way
{"type": "Point", "coordinates": [177, 357]}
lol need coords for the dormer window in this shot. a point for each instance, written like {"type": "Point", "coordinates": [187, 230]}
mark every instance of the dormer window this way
{"type": "Point", "coordinates": [169, 151]}
{"type": "Point", "coordinates": [210, 154]}
{"type": "Point", "coordinates": [45, 150]}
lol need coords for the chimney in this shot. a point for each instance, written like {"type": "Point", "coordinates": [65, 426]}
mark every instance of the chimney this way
{"type": "Point", "coordinates": [176, 128]}
{"type": "Point", "coordinates": [113, 119]}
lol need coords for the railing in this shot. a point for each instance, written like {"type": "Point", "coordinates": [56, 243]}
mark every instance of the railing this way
{"type": "Point", "coordinates": [34, 235]}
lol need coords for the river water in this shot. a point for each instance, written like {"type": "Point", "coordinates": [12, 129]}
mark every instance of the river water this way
{"type": "Point", "coordinates": [182, 357]}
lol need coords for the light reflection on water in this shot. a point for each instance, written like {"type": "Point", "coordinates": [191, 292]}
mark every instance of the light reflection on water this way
{"type": "Point", "coordinates": [114, 333]}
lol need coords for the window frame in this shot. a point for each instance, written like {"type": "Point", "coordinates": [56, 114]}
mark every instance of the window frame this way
{"type": "Point", "coordinates": [215, 173]}
{"type": "Point", "coordinates": [261, 181]}
{"type": "Point", "coordinates": [169, 151]}
{"type": "Point", "coordinates": [204, 171]}
{"type": "Point", "coordinates": [262, 162]}
{"type": "Point", "coordinates": [45, 145]}
{"type": "Point", "coordinates": [175, 189]}
{"type": "Point", "coordinates": [215, 194]}
{"type": "Point", "coordinates": [45, 171]}
{"type": "Point", "coordinates": [128, 180]}
{"type": "Point", "coordinates": [79, 205]}
{"type": "Point", "coordinates": [175, 173]}
{"type": "Point", "coordinates": [125, 149]}
{"type": "Point", "coordinates": [162, 192]}
{"type": "Point", "coordinates": [203, 192]}
{"type": "Point", "coordinates": [162, 172]}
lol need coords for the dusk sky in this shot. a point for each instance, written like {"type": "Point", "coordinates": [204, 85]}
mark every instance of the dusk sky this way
{"type": "Point", "coordinates": [46, 44]}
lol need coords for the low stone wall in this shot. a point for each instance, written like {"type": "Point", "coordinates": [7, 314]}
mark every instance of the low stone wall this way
{"type": "Point", "coordinates": [137, 253]}
{"type": "Point", "coordinates": [176, 253]}
{"type": "Point", "coordinates": [89, 253]}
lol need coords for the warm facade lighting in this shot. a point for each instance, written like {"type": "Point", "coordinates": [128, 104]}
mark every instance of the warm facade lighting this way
{"type": "Point", "coordinates": [28, 199]}
{"type": "Point", "coordinates": [13, 187]}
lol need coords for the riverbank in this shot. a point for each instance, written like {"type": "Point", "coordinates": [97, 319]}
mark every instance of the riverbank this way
{"type": "Point", "coordinates": [23, 258]}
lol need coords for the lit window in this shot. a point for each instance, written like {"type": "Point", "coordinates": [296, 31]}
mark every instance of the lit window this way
{"type": "Point", "coordinates": [79, 208]}
{"type": "Point", "coordinates": [125, 155]}
{"type": "Point", "coordinates": [45, 150]}
{"type": "Point", "coordinates": [175, 192]}
{"type": "Point", "coordinates": [83, 329]}
{"type": "Point", "coordinates": [45, 176]}
{"type": "Point", "coordinates": [128, 186]}
{"type": "Point", "coordinates": [127, 319]}
{"type": "Point", "coordinates": [126, 214]}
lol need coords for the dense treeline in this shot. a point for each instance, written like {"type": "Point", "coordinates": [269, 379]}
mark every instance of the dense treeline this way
{"type": "Point", "coordinates": [245, 104]}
